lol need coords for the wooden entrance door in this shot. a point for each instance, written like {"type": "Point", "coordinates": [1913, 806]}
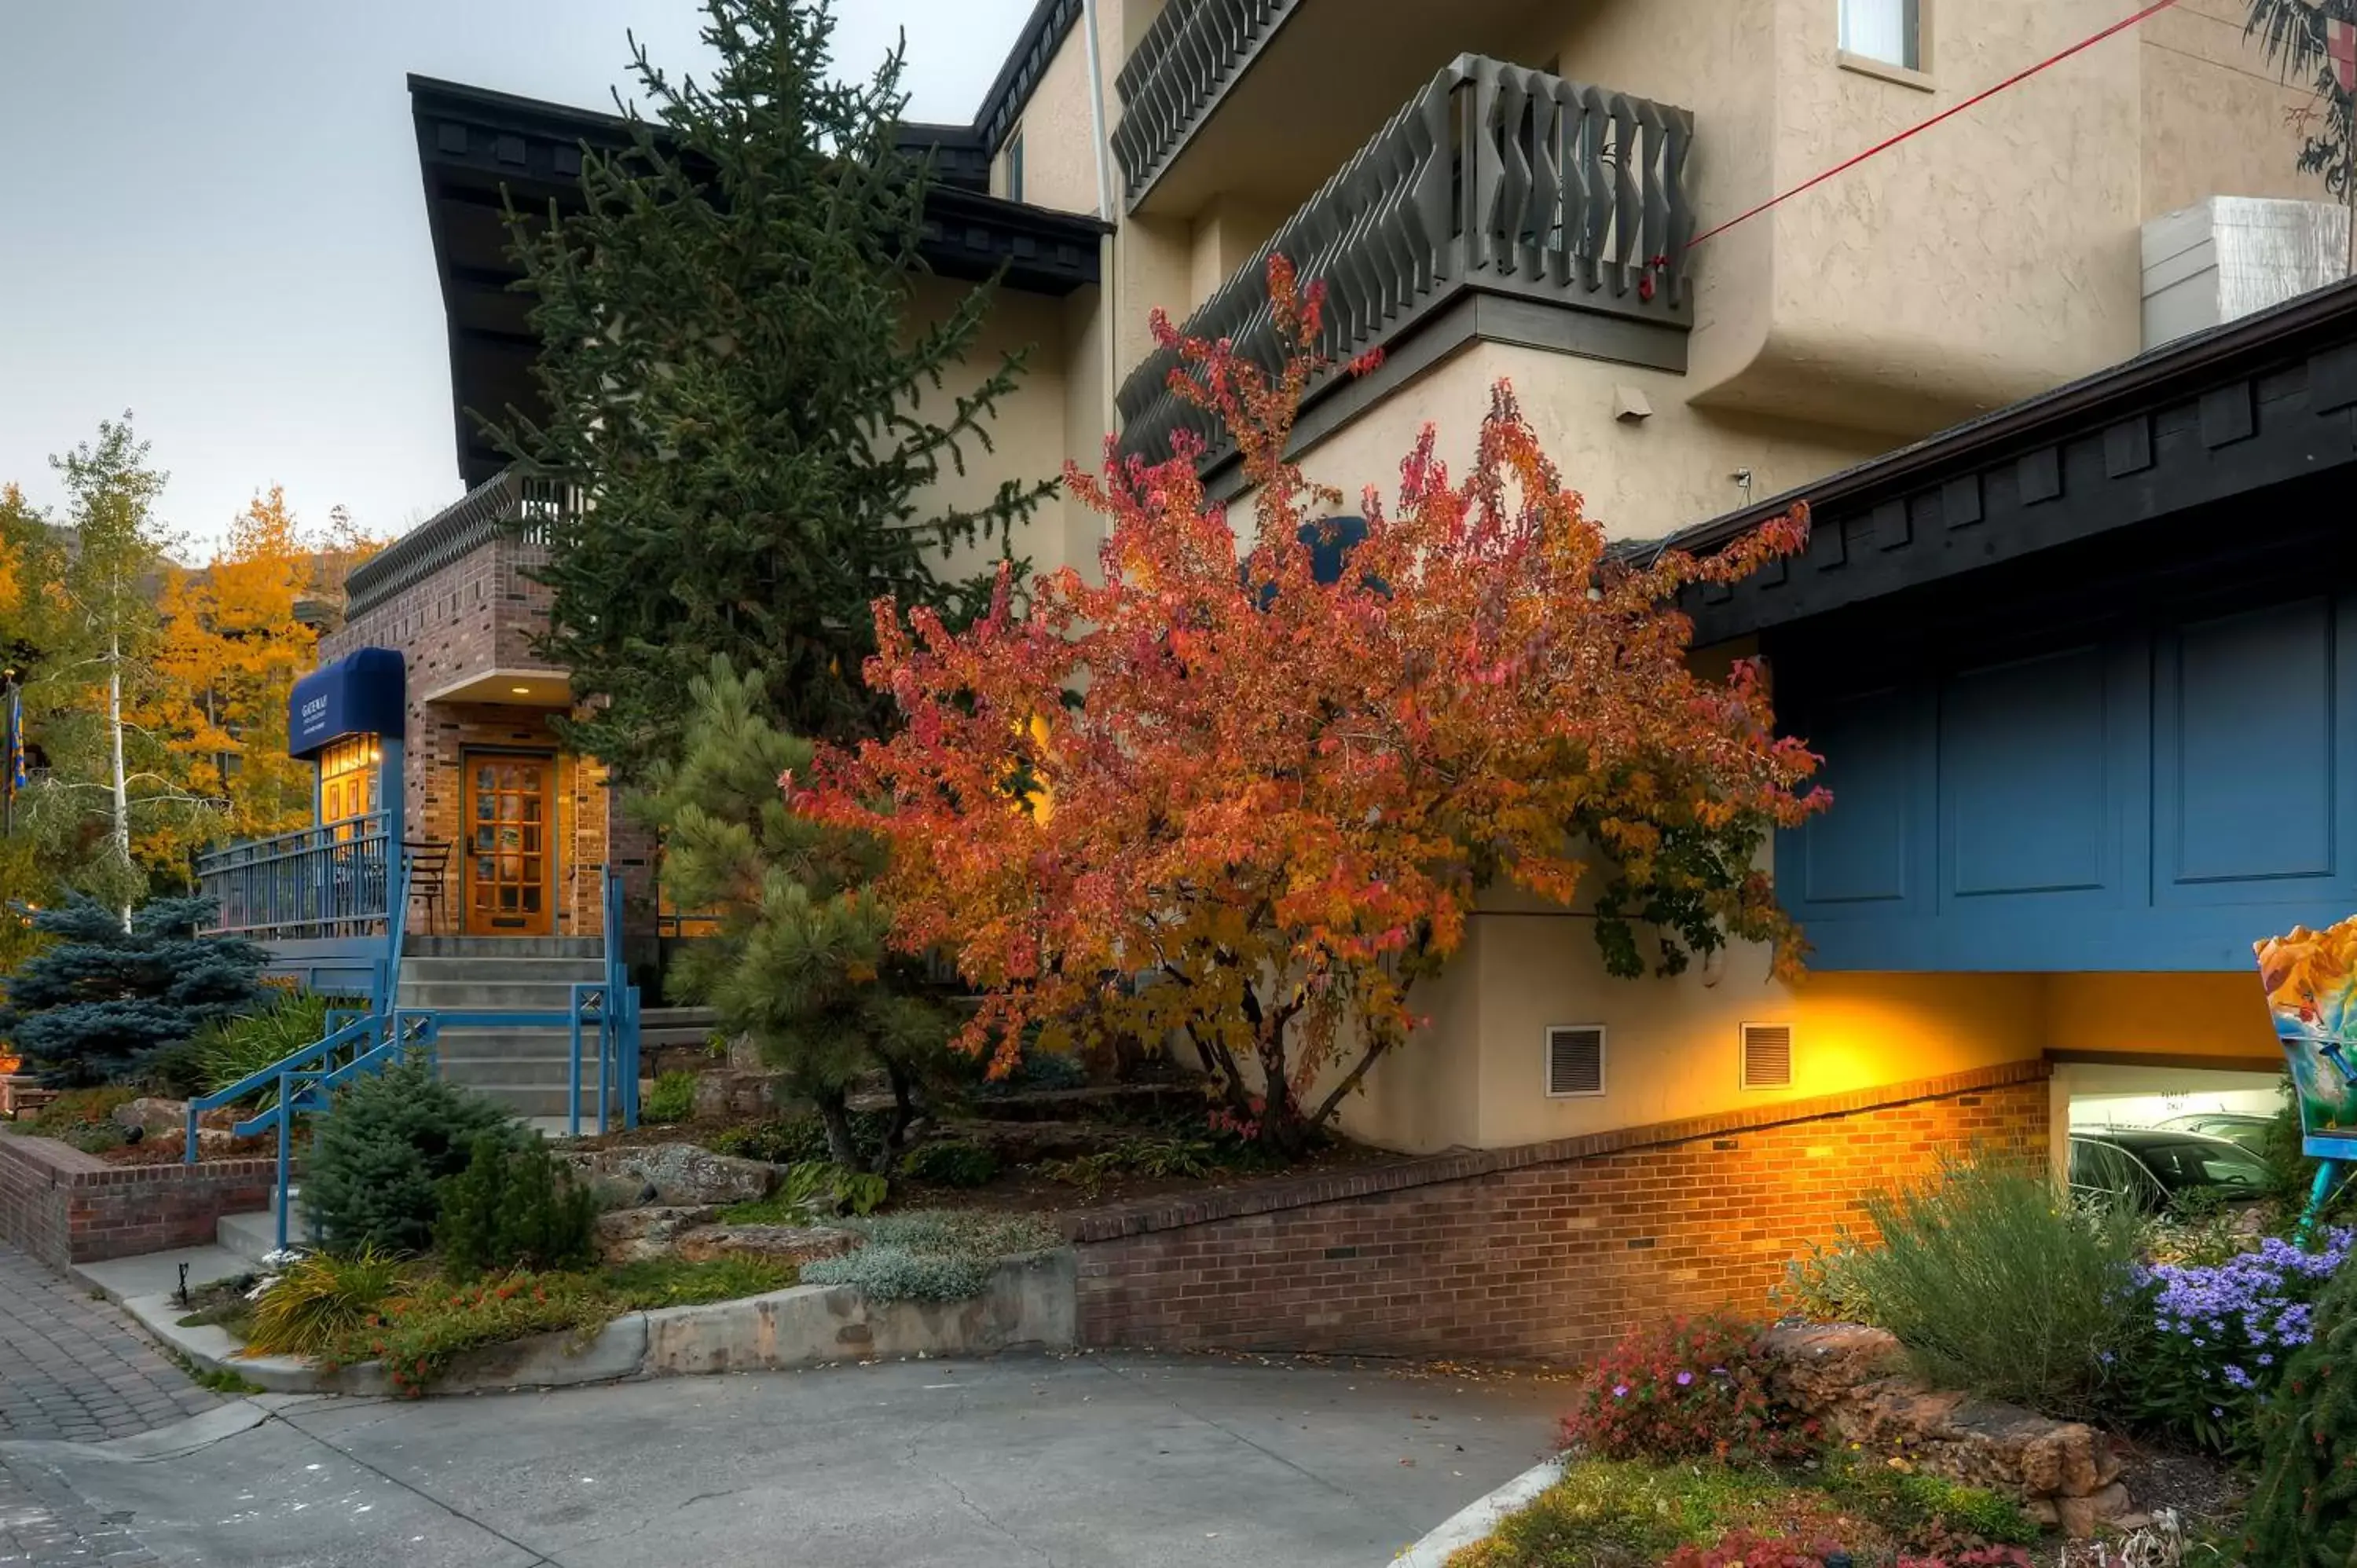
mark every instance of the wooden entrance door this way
{"type": "Point", "coordinates": [507, 858]}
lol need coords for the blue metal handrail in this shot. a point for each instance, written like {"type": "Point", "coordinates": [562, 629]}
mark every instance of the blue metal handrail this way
{"type": "Point", "coordinates": [387, 1033]}
{"type": "Point", "coordinates": [326, 881]}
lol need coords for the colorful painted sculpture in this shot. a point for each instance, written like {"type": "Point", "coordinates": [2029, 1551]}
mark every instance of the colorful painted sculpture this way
{"type": "Point", "coordinates": [2311, 982]}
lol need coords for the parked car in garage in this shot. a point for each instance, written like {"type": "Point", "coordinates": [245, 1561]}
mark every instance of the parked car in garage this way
{"type": "Point", "coordinates": [2249, 1131]}
{"type": "Point", "coordinates": [2155, 1168]}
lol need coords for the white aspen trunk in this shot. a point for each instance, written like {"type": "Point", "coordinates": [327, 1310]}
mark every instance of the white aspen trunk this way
{"type": "Point", "coordinates": [122, 833]}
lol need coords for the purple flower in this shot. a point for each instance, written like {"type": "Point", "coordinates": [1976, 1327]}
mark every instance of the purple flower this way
{"type": "Point", "coordinates": [1684, 1378]}
{"type": "Point", "coordinates": [1620, 1391]}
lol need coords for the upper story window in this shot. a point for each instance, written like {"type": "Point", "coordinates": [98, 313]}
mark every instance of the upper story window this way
{"type": "Point", "coordinates": [1015, 167]}
{"type": "Point", "coordinates": [1890, 31]}
{"type": "Point", "coordinates": [348, 778]}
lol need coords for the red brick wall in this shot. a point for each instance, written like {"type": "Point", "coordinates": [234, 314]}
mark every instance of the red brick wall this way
{"type": "Point", "coordinates": [1544, 1253]}
{"type": "Point", "coordinates": [65, 1207]}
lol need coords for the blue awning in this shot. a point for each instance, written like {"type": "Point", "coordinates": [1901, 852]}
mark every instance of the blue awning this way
{"type": "Point", "coordinates": [361, 693]}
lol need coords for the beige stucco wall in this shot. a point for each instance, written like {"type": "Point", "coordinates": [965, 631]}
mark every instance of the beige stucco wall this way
{"type": "Point", "coordinates": [1224, 236]}
{"type": "Point", "coordinates": [1474, 1077]}
{"type": "Point", "coordinates": [1640, 478]}
{"type": "Point", "coordinates": [1031, 434]}
{"type": "Point", "coordinates": [2214, 112]}
{"type": "Point", "coordinates": [1060, 167]}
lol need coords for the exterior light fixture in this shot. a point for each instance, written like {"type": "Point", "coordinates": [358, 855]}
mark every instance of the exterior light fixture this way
{"type": "Point", "coordinates": [521, 690]}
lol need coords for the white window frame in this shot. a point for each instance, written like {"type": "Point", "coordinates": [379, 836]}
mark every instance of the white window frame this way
{"type": "Point", "coordinates": [1603, 1062]}
{"type": "Point", "coordinates": [1743, 1054]}
{"type": "Point", "coordinates": [1914, 66]}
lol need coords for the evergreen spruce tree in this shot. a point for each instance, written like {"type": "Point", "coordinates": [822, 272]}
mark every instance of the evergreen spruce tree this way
{"type": "Point", "coordinates": [736, 380]}
{"type": "Point", "coordinates": [2303, 1512]}
{"type": "Point", "coordinates": [95, 1003]}
{"type": "Point", "coordinates": [799, 963]}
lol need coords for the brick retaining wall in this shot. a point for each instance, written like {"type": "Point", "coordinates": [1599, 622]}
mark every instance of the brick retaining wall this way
{"type": "Point", "coordinates": [1548, 1251]}
{"type": "Point", "coordinates": [65, 1207]}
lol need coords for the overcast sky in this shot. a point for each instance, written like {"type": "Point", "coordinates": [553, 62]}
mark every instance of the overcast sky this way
{"type": "Point", "coordinates": [210, 214]}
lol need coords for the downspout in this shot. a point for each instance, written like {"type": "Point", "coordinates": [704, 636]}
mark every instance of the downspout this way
{"type": "Point", "coordinates": [1106, 293]}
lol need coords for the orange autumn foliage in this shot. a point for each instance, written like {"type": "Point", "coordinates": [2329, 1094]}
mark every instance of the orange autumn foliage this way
{"type": "Point", "coordinates": [230, 651]}
{"type": "Point", "coordinates": [1280, 798]}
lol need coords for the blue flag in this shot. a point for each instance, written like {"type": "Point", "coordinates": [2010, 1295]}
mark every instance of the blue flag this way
{"type": "Point", "coordinates": [16, 739]}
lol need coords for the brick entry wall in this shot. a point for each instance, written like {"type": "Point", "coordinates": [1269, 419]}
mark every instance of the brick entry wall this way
{"type": "Point", "coordinates": [66, 1206]}
{"type": "Point", "coordinates": [1544, 1253]}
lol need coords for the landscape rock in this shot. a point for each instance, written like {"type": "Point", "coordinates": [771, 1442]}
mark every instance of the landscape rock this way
{"type": "Point", "coordinates": [634, 1235]}
{"type": "Point", "coordinates": [2065, 1472]}
{"type": "Point", "coordinates": [720, 1095]}
{"type": "Point", "coordinates": [152, 1114]}
{"type": "Point", "coordinates": [776, 1243]}
{"type": "Point", "coordinates": [679, 1174]}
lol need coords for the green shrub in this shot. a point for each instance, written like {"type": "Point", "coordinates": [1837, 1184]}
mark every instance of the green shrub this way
{"type": "Point", "coordinates": [672, 1098]}
{"type": "Point", "coordinates": [812, 1188]}
{"type": "Point", "coordinates": [417, 1337]}
{"type": "Point", "coordinates": [932, 1255]}
{"type": "Point", "coordinates": [672, 1281]}
{"type": "Point", "coordinates": [800, 1139]}
{"type": "Point", "coordinates": [322, 1298]}
{"type": "Point", "coordinates": [1998, 1284]}
{"type": "Point", "coordinates": [1157, 1159]}
{"type": "Point", "coordinates": [951, 1163]}
{"type": "Point", "coordinates": [228, 1049]}
{"type": "Point", "coordinates": [1685, 1388]}
{"type": "Point", "coordinates": [1611, 1514]}
{"type": "Point", "coordinates": [1925, 1510]}
{"type": "Point", "coordinates": [511, 1209]}
{"type": "Point", "coordinates": [380, 1155]}
{"type": "Point", "coordinates": [2303, 1512]}
{"type": "Point", "coordinates": [83, 1108]}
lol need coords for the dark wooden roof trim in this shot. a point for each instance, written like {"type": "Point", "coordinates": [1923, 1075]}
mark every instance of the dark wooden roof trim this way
{"type": "Point", "coordinates": [1043, 34]}
{"type": "Point", "coordinates": [2223, 413]}
{"type": "Point", "coordinates": [478, 149]}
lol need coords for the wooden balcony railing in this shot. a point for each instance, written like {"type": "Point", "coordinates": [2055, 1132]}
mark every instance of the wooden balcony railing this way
{"type": "Point", "coordinates": [1170, 82]}
{"type": "Point", "coordinates": [1494, 177]}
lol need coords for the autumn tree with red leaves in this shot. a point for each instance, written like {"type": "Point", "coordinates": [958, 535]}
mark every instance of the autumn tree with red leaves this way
{"type": "Point", "coordinates": [1280, 798]}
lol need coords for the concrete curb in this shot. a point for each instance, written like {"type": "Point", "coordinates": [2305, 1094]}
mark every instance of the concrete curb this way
{"type": "Point", "coordinates": [1478, 1518]}
{"type": "Point", "coordinates": [1031, 1304]}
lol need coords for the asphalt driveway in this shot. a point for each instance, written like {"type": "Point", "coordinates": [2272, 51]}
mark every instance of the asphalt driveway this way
{"type": "Point", "coordinates": [1080, 1460]}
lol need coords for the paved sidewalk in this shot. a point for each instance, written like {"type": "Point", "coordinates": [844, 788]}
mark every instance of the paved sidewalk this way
{"type": "Point", "coordinates": [44, 1525]}
{"type": "Point", "coordinates": [75, 1369]}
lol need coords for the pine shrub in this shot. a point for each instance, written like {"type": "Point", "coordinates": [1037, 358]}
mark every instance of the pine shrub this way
{"type": "Point", "coordinates": [381, 1155]}
{"type": "Point", "coordinates": [511, 1209]}
{"type": "Point", "coordinates": [97, 1003]}
{"type": "Point", "coordinates": [950, 1163]}
{"type": "Point", "coordinates": [2303, 1512]}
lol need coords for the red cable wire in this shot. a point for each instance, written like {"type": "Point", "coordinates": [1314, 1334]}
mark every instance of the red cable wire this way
{"type": "Point", "coordinates": [2016, 79]}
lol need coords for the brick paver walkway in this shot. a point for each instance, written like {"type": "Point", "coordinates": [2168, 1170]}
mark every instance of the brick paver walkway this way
{"type": "Point", "coordinates": [72, 1368]}
{"type": "Point", "coordinates": [44, 1525]}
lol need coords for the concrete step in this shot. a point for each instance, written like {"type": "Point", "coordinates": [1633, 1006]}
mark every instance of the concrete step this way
{"type": "Point", "coordinates": [535, 1100]}
{"type": "Point", "coordinates": [499, 971]}
{"type": "Point", "coordinates": [536, 1071]}
{"type": "Point", "coordinates": [253, 1236]}
{"type": "Point", "coordinates": [510, 995]}
{"type": "Point", "coordinates": [415, 946]}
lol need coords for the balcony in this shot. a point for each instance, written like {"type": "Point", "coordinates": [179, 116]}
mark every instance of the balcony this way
{"type": "Point", "coordinates": [1557, 207]}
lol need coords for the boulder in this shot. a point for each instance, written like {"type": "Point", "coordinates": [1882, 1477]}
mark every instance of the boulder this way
{"type": "Point", "coordinates": [720, 1095]}
{"type": "Point", "coordinates": [777, 1243]}
{"type": "Point", "coordinates": [671, 1175]}
{"type": "Point", "coordinates": [2065, 1472]}
{"type": "Point", "coordinates": [633, 1235]}
{"type": "Point", "coordinates": [151, 1114]}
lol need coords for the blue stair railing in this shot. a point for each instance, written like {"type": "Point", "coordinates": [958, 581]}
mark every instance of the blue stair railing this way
{"type": "Point", "coordinates": [602, 1013]}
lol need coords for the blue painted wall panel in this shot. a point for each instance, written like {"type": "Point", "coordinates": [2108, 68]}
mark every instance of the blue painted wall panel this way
{"type": "Point", "coordinates": [1861, 858]}
{"type": "Point", "coordinates": [2023, 786]}
{"type": "Point", "coordinates": [2158, 802]}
